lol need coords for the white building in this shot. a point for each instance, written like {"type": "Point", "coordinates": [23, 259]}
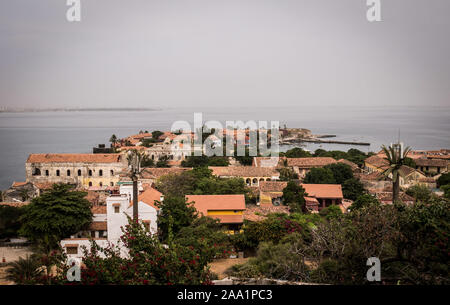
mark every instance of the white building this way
{"type": "Point", "coordinates": [108, 221]}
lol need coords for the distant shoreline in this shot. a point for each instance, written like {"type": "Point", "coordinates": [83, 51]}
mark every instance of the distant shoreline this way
{"type": "Point", "coordinates": [77, 109]}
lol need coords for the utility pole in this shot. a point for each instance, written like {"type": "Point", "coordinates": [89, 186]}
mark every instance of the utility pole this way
{"type": "Point", "coordinates": [134, 163]}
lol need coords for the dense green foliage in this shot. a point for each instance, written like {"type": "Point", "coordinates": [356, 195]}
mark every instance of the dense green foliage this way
{"type": "Point", "coordinates": [320, 175]}
{"type": "Point", "coordinates": [10, 220]}
{"type": "Point", "coordinates": [200, 181]}
{"type": "Point", "coordinates": [352, 188]}
{"type": "Point", "coordinates": [200, 161]}
{"type": "Point", "coordinates": [354, 155]}
{"type": "Point", "coordinates": [54, 215]}
{"type": "Point", "coordinates": [296, 152]}
{"type": "Point", "coordinates": [411, 242]}
{"type": "Point", "coordinates": [176, 213]}
{"type": "Point", "coordinates": [420, 192]}
{"type": "Point", "coordinates": [444, 179]}
{"type": "Point", "coordinates": [294, 196]}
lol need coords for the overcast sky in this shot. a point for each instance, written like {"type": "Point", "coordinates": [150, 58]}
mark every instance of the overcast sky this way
{"type": "Point", "coordinates": [172, 53]}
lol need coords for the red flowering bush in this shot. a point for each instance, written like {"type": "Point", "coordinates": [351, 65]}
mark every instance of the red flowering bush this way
{"type": "Point", "coordinates": [148, 262]}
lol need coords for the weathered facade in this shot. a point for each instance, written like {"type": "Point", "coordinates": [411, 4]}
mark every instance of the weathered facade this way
{"type": "Point", "coordinates": [84, 170]}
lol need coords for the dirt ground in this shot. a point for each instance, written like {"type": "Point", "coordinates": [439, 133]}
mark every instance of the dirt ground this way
{"type": "Point", "coordinates": [10, 254]}
{"type": "Point", "coordinates": [220, 265]}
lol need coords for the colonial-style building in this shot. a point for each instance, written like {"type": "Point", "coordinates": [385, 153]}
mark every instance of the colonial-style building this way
{"type": "Point", "coordinates": [251, 175]}
{"type": "Point", "coordinates": [301, 166]}
{"type": "Point", "coordinates": [318, 196]}
{"type": "Point", "coordinates": [79, 169]}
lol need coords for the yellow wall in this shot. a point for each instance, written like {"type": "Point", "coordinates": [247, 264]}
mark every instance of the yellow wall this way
{"type": "Point", "coordinates": [96, 181]}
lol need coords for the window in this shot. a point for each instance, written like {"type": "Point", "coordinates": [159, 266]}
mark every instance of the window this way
{"type": "Point", "coordinates": [57, 172]}
{"type": "Point", "coordinates": [100, 172]}
{"type": "Point", "coordinates": [47, 173]}
{"type": "Point", "coordinates": [90, 173]}
{"type": "Point", "coordinates": [90, 183]}
{"type": "Point", "coordinates": [93, 234]}
{"type": "Point", "coordinates": [79, 172]}
{"type": "Point", "coordinates": [101, 184]}
{"type": "Point", "coordinates": [68, 173]}
{"type": "Point", "coordinates": [116, 209]}
{"type": "Point", "coordinates": [111, 183]}
{"type": "Point", "coordinates": [111, 172]}
{"type": "Point", "coordinates": [247, 181]}
{"type": "Point", "coordinates": [36, 172]}
{"type": "Point", "coordinates": [72, 250]}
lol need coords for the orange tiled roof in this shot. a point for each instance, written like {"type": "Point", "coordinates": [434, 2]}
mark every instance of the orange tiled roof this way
{"type": "Point", "coordinates": [98, 226]}
{"type": "Point", "coordinates": [205, 203]}
{"type": "Point", "coordinates": [313, 190]}
{"type": "Point", "coordinates": [431, 162]}
{"type": "Point", "coordinates": [310, 162]}
{"type": "Point", "coordinates": [157, 172]}
{"type": "Point", "coordinates": [99, 209]}
{"type": "Point", "coordinates": [16, 184]}
{"type": "Point", "coordinates": [149, 196]}
{"type": "Point", "coordinates": [15, 204]}
{"type": "Point", "coordinates": [377, 161]}
{"type": "Point", "coordinates": [43, 185]}
{"type": "Point", "coordinates": [323, 190]}
{"type": "Point", "coordinates": [74, 158]}
{"type": "Point", "coordinates": [272, 186]}
{"type": "Point", "coordinates": [349, 163]}
{"type": "Point", "coordinates": [243, 171]}
{"type": "Point", "coordinates": [268, 161]}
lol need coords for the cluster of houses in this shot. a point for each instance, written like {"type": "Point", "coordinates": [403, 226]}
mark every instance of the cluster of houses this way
{"type": "Point", "coordinates": [110, 191]}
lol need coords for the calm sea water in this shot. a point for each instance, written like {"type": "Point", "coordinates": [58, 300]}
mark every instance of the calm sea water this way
{"type": "Point", "coordinates": [77, 132]}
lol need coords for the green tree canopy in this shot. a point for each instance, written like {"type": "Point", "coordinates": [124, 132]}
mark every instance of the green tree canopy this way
{"type": "Point", "coordinates": [294, 196]}
{"type": "Point", "coordinates": [55, 215]}
{"type": "Point", "coordinates": [320, 176]}
{"type": "Point", "coordinates": [176, 213]}
{"type": "Point", "coordinates": [352, 189]}
{"type": "Point", "coordinates": [341, 172]}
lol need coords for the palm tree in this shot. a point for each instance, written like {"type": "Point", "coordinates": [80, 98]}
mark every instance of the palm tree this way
{"type": "Point", "coordinates": [113, 141]}
{"type": "Point", "coordinates": [134, 159]}
{"type": "Point", "coordinates": [24, 271]}
{"type": "Point", "coordinates": [396, 159]}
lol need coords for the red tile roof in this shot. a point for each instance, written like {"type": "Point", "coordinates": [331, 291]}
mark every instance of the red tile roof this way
{"type": "Point", "coordinates": [310, 162]}
{"type": "Point", "coordinates": [74, 158]}
{"type": "Point", "coordinates": [349, 163]}
{"type": "Point", "coordinates": [377, 161]}
{"type": "Point", "coordinates": [98, 226]}
{"type": "Point", "coordinates": [323, 190]}
{"type": "Point", "coordinates": [149, 196]}
{"type": "Point", "coordinates": [98, 209]}
{"type": "Point", "coordinates": [15, 204]}
{"type": "Point", "coordinates": [313, 190]}
{"type": "Point", "coordinates": [205, 203]}
{"type": "Point", "coordinates": [156, 172]}
{"type": "Point", "coordinates": [244, 171]}
{"type": "Point", "coordinates": [16, 184]}
{"type": "Point", "coordinates": [431, 162]}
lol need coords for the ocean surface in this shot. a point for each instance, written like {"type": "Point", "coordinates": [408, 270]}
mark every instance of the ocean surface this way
{"type": "Point", "coordinates": [23, 133]}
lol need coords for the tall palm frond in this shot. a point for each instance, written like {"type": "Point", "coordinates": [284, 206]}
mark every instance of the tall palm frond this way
{"type": "Point", "coordinates": [396, 159]}
{"type": "Point", "coordinates": [24, 271]}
